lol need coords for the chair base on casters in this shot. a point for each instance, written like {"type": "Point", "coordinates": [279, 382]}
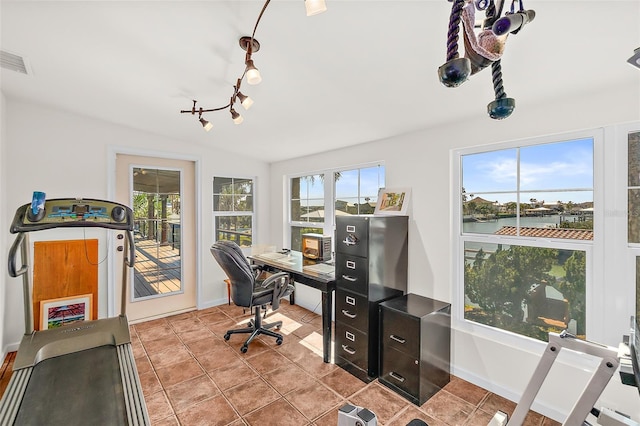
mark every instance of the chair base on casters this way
{"type": "Point", "coordinates": [256, 327]}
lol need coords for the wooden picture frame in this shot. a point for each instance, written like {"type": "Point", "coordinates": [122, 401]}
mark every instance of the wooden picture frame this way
{"type": "Point", "coordinates": [65, 310]}
{"type": "Point", "coordinates": [393, 201]}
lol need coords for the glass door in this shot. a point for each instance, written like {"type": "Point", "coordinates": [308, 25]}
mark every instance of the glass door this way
{"type": "Point", "coordinates": [156, 209]}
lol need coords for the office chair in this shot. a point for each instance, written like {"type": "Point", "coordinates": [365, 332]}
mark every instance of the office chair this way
{"type": "Point", "coordinates": [248, 291]}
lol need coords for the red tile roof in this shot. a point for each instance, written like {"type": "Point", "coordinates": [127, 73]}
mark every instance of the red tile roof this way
{"type": "Point", "coordinates": [573, 234]}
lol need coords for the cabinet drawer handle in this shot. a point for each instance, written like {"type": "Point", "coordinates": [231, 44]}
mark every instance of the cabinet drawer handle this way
{"type": "Point", "coordinates": [350, 240]}
{"type": "Point", "coordinates": [397, 376]}
{"type": "Point", "coordinates": [349, 278]}
{"type": "Point", "coordinates": [350, 264]}
{"type": "Point", "coordinates": [397, 339]}
{"type": "Point", "coordinates": [350, 336]}
{"type": "Point", "coordinates": [348, 350]}
{"type": "Point", "coordinates": [348, 314]}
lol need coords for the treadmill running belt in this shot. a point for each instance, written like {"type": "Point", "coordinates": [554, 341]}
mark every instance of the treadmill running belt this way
{"type": "Point", "coordinates": [76, 389]}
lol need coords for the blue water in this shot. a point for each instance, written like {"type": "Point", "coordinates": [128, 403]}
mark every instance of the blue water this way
{"type": "Point", "coordinates": [492, 226]}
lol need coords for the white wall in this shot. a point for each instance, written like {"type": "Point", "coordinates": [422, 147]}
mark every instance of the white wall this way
{"type": "Point", "coordinates": [65, 155]}
{"type": "Point", "coordinates": [422, 161]}
{"type": "Point", "coordinates": [3, 220]}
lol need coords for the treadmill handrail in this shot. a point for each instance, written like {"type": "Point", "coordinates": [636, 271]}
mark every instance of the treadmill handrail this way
{"type": "Point", "coordinates": [13, 253]}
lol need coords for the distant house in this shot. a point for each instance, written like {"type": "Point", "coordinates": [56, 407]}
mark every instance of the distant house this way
{"type": "Point", "coordinates": [480, 200]}
{"type": "Point", "coordinates": [539, 211]}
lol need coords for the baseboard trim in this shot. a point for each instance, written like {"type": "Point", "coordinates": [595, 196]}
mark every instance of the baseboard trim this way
{"type": "Point", "coordinates": [507, 393]}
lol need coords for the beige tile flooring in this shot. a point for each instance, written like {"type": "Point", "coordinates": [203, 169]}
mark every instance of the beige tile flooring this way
{"type": "Point", "coordinates": [191, 376]}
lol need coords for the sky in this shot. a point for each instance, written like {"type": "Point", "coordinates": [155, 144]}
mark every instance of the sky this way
{"type": "Point", "coordinates": [347, 185]}
{"type": "Point", "coordinates": [560, 171]}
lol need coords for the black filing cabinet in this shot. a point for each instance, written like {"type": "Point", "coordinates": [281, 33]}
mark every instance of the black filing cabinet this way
{"type": "Point", "coordinates": [371, 267]}
{"type": "Point", "coordinates": [415, 346]}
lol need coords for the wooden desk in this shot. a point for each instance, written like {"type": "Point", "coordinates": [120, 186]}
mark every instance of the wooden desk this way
{"type": "Point", "coordinates": [317, 275]}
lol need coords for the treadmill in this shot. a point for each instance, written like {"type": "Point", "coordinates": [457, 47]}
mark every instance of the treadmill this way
{"type": "Point", "coordinates": [83, 372]}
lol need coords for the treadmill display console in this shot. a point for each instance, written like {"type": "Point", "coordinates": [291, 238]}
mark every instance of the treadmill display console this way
{"type": "Point", "coordinates": [70, 212]}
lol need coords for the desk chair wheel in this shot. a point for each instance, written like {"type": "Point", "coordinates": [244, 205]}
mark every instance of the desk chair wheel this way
{"type": "Point", "coordinates": [227, 336]}
{"type": "Point", "coordinates": [244, 349]}
{"type": "Point", "coordinates": [278, 341]}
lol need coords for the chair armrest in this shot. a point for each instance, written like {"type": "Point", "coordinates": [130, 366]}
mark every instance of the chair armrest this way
{"type": "Point", "coordinates": [280, 284]}
{"type": "Point", "coordinates": [256, 269]}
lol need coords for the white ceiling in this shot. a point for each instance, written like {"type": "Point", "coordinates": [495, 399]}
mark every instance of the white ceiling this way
{"type": "Point", "coordinates": [362, 71]}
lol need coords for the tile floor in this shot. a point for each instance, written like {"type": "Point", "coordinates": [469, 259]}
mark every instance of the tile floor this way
{"type": "Point", "coordinates": [191, 376]}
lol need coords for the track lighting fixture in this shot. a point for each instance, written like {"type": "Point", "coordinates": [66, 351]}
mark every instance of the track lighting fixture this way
{"type": "Point", "coordinates": [245, 101]}
{"type": "Point", "coordinates": [483, 49]}
{"type": "Point", "coordinates": [635, 59]}
{"type": "Point", "coordinates": [206, 124]}
{"type": "Point", "coordinates": [252, 73]}
{"type": "Point", "coordinates": [237, 118]}
{"type": "Point", "coordinates": [314, 7]}
{"type": "Point", "coordinates": [250, 45]}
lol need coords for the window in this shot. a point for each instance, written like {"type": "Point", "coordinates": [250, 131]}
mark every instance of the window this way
{"type": "Point", "coordinates": [233, 210]}
{"type": "Point", "coordinates": [306, 207]}
{"type": "Point", "coordinates": [633, 200]}
{"type": "Point", "coordinates": [633, 210]}
{"type": "Point", "coordinates": [315, 199]}
{"type": "Point", "coordinates": [526, 231]}
{"type": "Point", "coordinates": [357, 190]}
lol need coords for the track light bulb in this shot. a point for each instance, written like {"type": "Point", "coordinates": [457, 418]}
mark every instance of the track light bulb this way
{"type": "Point", "coordinates": [245, 100]}
{"type": "Point", "coordinates": [315, 7]}
{"type": "Point", "coordinates": [253, 75]}
{"type": "Point", "coordinates": [237, 118]}
{"type": "Point", "coordinates": [206, 124]}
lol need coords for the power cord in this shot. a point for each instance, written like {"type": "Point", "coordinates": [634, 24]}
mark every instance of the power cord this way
{"type": "Point", "coordinates": [303, 319]}
{"type": "Point", "coordinates": [86, 249]}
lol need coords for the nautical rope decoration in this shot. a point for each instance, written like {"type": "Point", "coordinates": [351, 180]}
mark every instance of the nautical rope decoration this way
{"type": "Point", "coordinates": [484, 49]}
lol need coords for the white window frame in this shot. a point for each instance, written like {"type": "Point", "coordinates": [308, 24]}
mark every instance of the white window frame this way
{"type": "Point", "coordinates": [629, 250]}
{"type": "Point", "coordinates": [329, 225]}
{"type": "Point", "coordinates": [593, 249]}
{"type": "Point", "coordinates": [219, 213]}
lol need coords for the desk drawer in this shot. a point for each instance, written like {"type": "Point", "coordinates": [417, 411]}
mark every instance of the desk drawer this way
{"type": "Point", "coordinates": [400, 370]}
{"type": "Point", "coordinates": [352, 345]}
{"type": "Point", "coordinates": [351, 273]}
{"type": "Point", "coordinates": [400, 331]}
{"type": "Point", "coordinates": [352, 309]}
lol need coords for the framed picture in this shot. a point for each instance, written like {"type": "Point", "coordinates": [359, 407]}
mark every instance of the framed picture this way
{"type": "Point", "coordinates": [393, 201]}
{"type": "Point", "coordinates": [65, 310]}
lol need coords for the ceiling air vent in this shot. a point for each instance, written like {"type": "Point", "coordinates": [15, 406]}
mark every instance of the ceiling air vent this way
{"type": "Point", "coordinates": [13, 62]}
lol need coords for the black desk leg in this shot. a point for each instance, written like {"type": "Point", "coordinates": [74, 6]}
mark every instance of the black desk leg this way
{"type": "Point", "coordinates": [327, 304]}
